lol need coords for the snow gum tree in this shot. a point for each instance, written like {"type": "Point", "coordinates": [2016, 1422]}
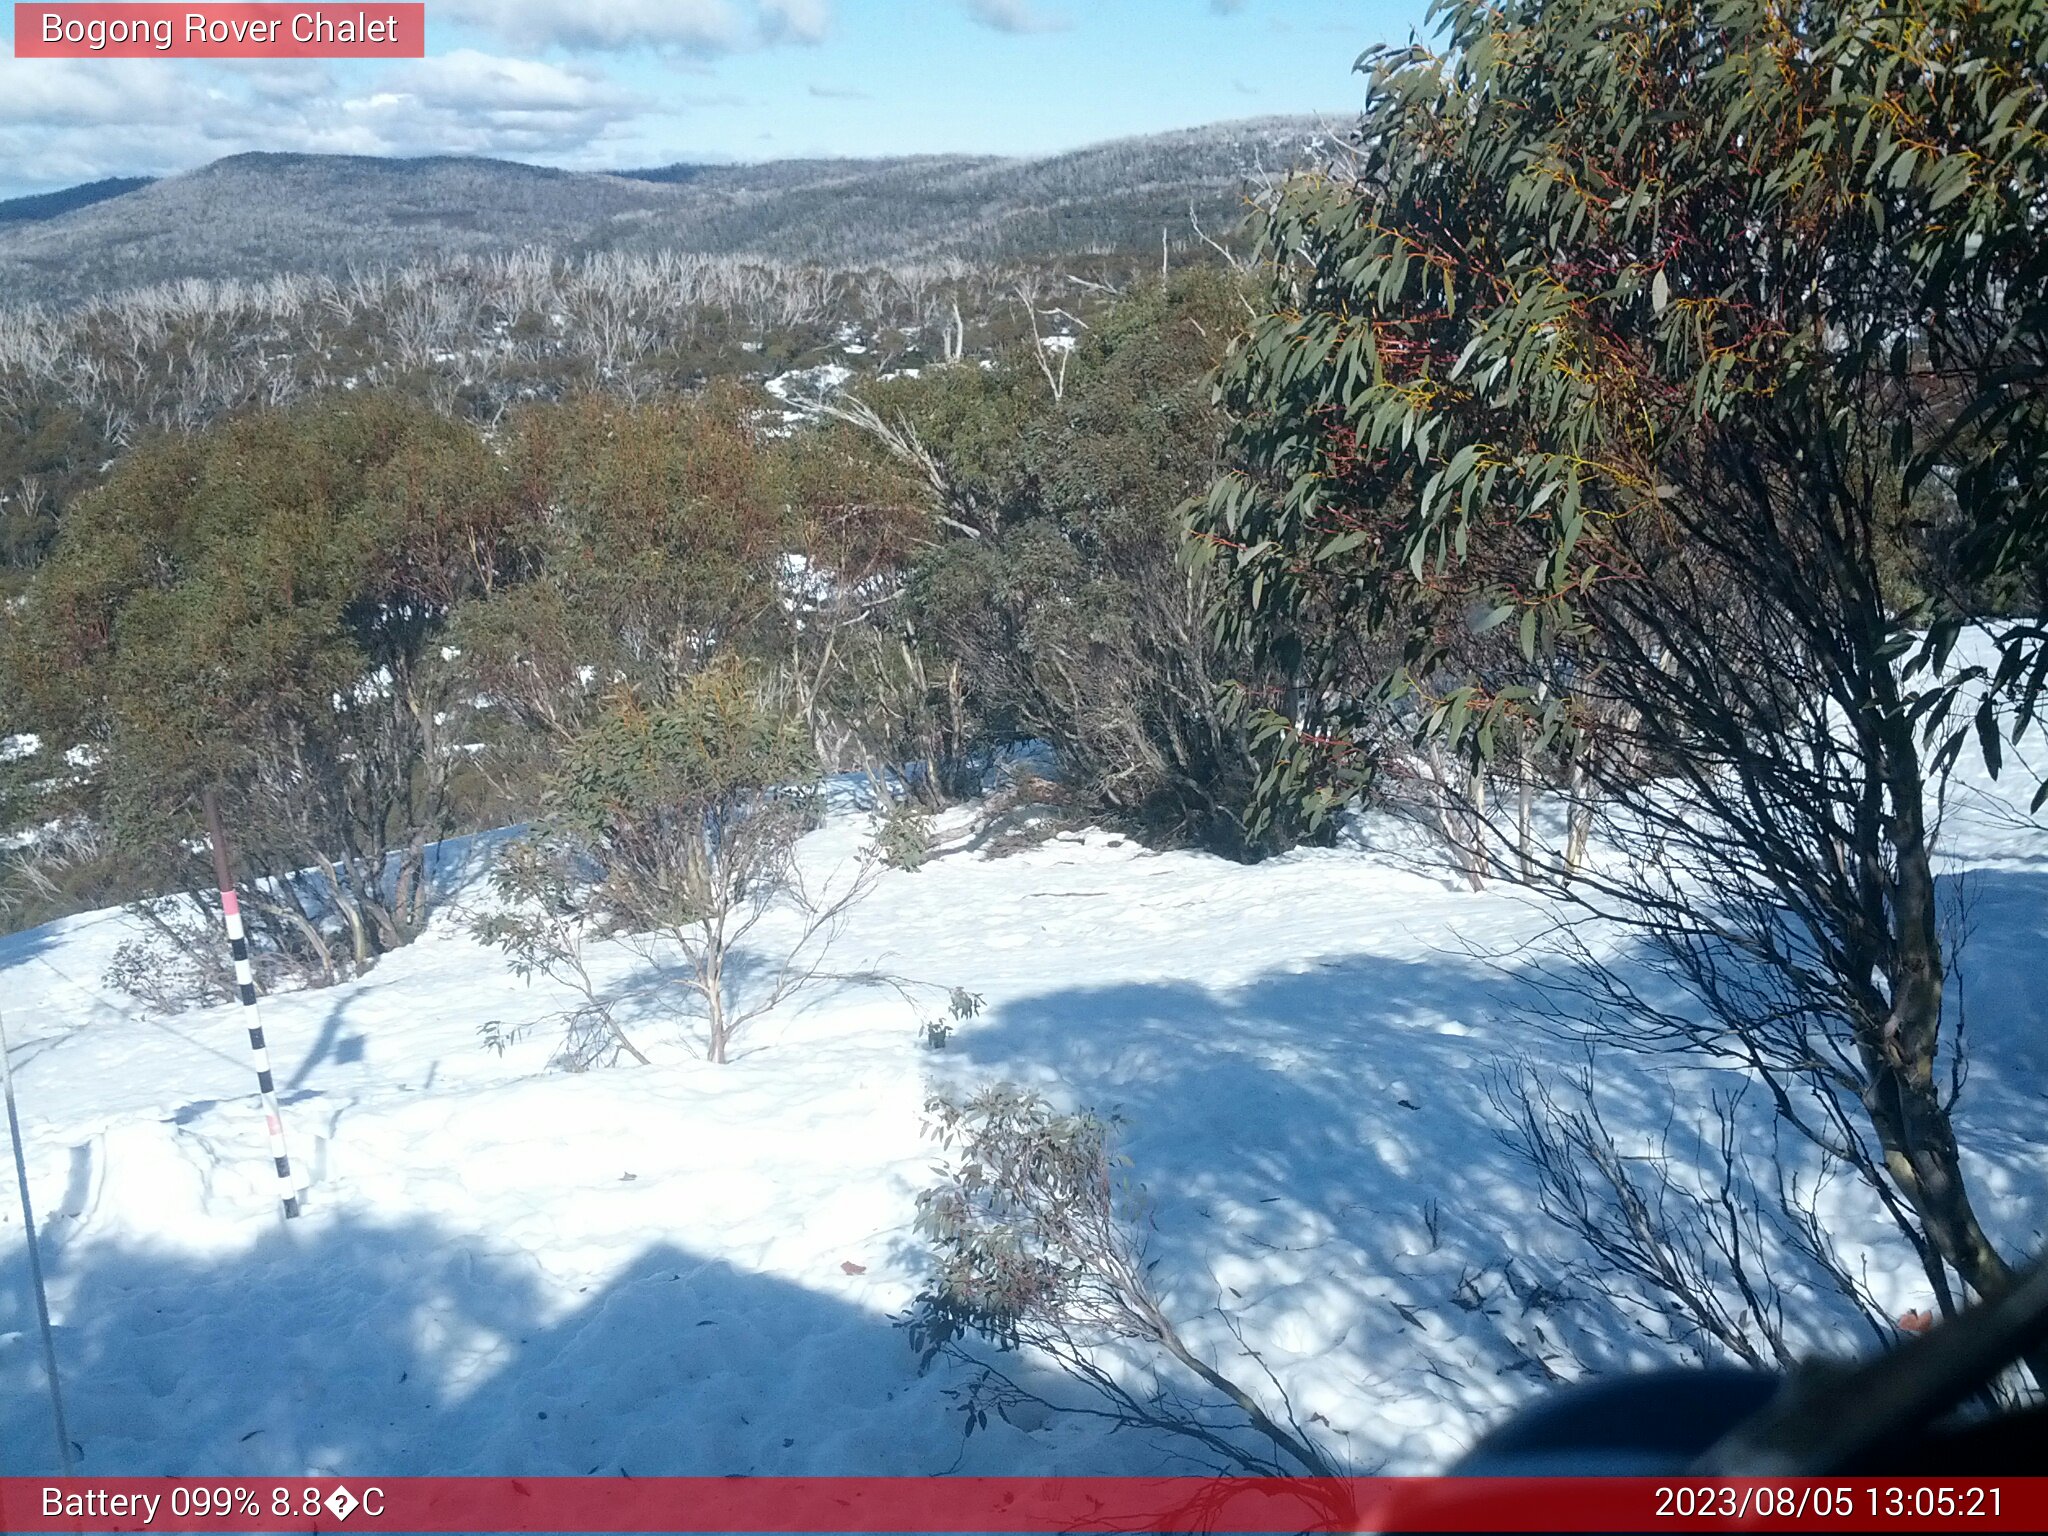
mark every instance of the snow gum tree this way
{"type": "Point", "coordinates": [655, 538]}
{"type": "Point", "coordinates": [651, 533]}
{"type": "Point", "coordinates": [261, 607]}
{"type": "Point", "coordinates": [1657, 339]}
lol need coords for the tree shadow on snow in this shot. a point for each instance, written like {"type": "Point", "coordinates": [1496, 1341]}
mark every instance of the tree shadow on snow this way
{"type": "Point", "coordinates": [1323, 1161]}
{"type": "Point", "coordinates": [2001, 978]}
{"type": "Point", "coordinates": [1341, 1097]}
{"type": "Point", "coordinates": [1322, 1167]}
{"type": "Point", "coordinates": [359, 1349]}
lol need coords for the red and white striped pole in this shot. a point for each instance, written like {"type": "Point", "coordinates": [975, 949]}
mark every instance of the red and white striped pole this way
{"type": "Point", "coordinates": [245, 987]}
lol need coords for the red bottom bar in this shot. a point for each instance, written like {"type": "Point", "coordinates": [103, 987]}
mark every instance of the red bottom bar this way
{"type": "Point", "coordinates": [1021, 1504]}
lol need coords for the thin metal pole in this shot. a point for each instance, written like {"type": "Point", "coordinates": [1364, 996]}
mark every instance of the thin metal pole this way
{"type": "Point", "coordinates": [245, 987]}
{"type": "Point", "coordinates": [35, 1258]}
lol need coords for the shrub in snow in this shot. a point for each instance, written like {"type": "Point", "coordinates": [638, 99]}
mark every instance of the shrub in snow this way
{"type": "Point", "coordinates": [1030, 809]}
{"type": "Point", "coordinates": [907, 706]}
{"type": "Point", "coordinates": [498, 1037]}
{"type": "Point", "coordinates": [936, 1032]}
{"type": "Point", "coordinates": [1053, 587]}
{"type": "Point", "coordinates": [167, 977]}
{"type": "Point", "coordinates": [546, 929]}
{"type": "Point", "coordinates": [672, 833]}
{"type": "Point", "coordinates": [904, 838]}
{"type": "Point", "coordinates": [55, 864]}
{"type": "Point", "coordinates": [1033, 1252]}
{"type": "Point", "coordinates": [181, 962]}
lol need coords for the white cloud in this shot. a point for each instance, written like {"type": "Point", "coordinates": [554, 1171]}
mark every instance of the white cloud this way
{"type": "Point", "coordinates": [68, 121]}
{"type": "Point", "coordinates": [469, 79]}
{"type": "Point", "coordinates": [699, 27]}
{"type": "Point", "coordinates": [72, 120]}
{"type": "Point", "coordinates": [80, 93]}
{"type": "Point", "coordinates": [1016, 16]}
{"type": "Point", "coordinates": [471, 103]}
{"type": "Point", "coordinates": [796, 21]}
{"type": "Point", "coordinates": [281, 82]}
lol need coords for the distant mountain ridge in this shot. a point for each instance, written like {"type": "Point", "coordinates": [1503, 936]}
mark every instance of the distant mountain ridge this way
{"type": "Point", "coordinates": [48, 205]}
{"type": "Point", "coordinates": [254, 215]}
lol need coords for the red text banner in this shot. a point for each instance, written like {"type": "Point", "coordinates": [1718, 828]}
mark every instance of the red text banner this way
{"type": "Point", "coordinates": [960, 1504]}
{"type": "Point", "coordinates": [358, 31]}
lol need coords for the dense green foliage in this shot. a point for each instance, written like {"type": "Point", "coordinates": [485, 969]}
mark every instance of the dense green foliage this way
{"type": "Point", "coordinates": [668, 793]}
{"type": "Point", "coordinates": [49, 450]}
{"type": "Point", "coordinates": [671, 826]}
{"type": "Point", "coordinates": [651, 536]}
{"type": "Point", "coordinates": [372, 624]}
{"type": "Point", "coordinates": [1073, 615]}
{"type": "Point", "coordinates": [1587, 246]}
{"type": "Point", "coordinates": [263, 609]}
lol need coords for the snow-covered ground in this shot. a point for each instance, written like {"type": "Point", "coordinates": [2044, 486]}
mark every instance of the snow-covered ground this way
{"type": "Point", "coordinates": [694, 1269]}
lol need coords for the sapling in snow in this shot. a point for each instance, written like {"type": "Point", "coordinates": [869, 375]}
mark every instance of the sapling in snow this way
{"type": "Point", "coordinates": [547, 928]}
{"type": "Point", "coordinates": [1034, 1249]}
{"type": "Point", "coordinates": [672, 834]}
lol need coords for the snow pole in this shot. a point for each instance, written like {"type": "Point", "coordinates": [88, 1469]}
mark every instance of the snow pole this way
{"type": "Point", "coordinates": [35, 1258]}
{"type": "Point", "coordinates": [245, 988]}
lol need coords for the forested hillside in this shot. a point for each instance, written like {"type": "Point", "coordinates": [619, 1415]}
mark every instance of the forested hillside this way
{"type": "Point", "coordinates": [259, 215]}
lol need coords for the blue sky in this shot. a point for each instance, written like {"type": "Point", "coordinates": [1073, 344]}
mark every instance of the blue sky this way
{"type": "Point", "coordinates": [615, 83]}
